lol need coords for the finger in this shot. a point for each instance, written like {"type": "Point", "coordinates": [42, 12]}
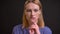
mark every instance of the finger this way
{"type": "Point", "coordinates": [31, 32]}
{"type": "Point", "coordinates": [32, 27]}
{"type": "Point", "coordinates": [33, 23]}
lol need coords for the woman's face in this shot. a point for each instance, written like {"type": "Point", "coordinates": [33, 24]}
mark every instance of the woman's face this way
{"type": "Point", "coordinates": [32, 12]}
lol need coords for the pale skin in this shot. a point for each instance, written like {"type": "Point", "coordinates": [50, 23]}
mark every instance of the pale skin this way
{"type": "Point", "coordinates": [32, 14]}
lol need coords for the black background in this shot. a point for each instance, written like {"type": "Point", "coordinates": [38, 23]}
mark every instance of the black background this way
{"type": "Point", "coordinates": [12, 11]}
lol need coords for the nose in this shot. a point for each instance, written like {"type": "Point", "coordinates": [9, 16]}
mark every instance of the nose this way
{"type": "Point", "coordinates": [32, 13]}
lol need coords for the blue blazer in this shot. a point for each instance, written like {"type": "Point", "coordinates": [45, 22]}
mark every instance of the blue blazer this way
{"type": "Point", "coordinates": [18, 30]}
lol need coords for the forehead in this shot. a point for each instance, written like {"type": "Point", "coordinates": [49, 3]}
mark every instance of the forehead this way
{"type": "Point", "coordinates": [32, 6]}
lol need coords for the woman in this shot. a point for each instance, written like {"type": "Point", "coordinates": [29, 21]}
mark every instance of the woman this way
{"type": "Point", "coordinates": [33, 22]}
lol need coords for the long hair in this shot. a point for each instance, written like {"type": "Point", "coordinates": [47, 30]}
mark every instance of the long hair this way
{"type": "Point", "coordinates": [40, 20]}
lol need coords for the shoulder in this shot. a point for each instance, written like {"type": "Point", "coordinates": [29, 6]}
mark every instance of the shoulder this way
{"type": "Point", "coordinates": [47, 30]}
{"type": "Point", "coordinates": [18, 26]}
{"type": "Point", "coordinates": [17, 29]}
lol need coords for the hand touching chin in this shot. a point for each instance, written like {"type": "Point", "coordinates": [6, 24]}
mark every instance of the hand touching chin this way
{"type": "Point", "coordinates": [33, 21]}
{"type": "Point", "coordinates": [34, 28]}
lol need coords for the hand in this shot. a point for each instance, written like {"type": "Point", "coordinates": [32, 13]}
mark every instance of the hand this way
{"type": "Point", "coordinates": [31, 31]}
{"type": "Point", "coordinates": [34, 29]}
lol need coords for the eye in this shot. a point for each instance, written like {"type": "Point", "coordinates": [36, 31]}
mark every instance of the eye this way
{"type": "Point", "coordinates": [36, 10]}
{"type": "Point", "coordinates": [28, 10]}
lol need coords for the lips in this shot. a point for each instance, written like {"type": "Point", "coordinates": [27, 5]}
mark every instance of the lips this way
{"type": "Point", "coordinates": [32, 17]}
{"type": "Point", "coordinates": [33, 20]}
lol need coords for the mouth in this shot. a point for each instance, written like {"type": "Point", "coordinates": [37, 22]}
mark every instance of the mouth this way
{"type": "Point", "coordinates": [33, 18]}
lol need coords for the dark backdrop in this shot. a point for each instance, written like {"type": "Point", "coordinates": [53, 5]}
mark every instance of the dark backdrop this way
{"type": "Point", "coordinates": [12, 10]}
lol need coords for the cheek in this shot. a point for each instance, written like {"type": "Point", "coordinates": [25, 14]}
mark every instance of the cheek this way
{"type": "Point", "coordinates": [27, 15]}
{"type": "Point", "coordinates": [37, 15]}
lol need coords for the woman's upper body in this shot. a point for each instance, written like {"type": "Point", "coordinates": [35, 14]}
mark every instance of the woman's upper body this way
{"type": "Point", "coordinates": [19, 30]}
{"type": "Point", "coordinates": [33, 22]}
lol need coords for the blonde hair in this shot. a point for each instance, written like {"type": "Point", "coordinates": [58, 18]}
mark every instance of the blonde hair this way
{"type": "Point", "coordinates": [40, 20]}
